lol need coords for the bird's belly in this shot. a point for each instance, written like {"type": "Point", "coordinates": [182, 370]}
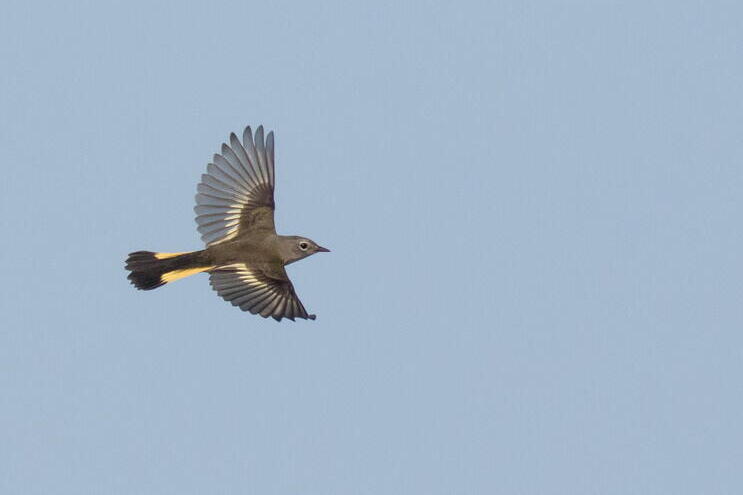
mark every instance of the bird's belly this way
{"type": "Point", "coordinates": [241, 252]}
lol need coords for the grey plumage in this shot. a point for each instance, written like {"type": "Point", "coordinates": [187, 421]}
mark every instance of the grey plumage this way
{"type": "Point", "coordinates": [235, 216]}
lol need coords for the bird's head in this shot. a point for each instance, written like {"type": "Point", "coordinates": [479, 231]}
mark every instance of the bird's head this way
{"type": "Point", "coordinates": [295, 248]}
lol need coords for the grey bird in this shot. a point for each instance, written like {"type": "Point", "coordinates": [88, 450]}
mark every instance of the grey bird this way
{"type": "Point", "coordinates": [244, 256]}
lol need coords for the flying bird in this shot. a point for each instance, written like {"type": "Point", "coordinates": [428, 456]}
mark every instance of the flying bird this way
{"type": "Point", "coordinates": [244, 256]}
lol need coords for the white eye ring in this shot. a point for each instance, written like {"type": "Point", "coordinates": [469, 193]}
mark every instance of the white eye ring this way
{"type": "Point", "coordinates": [303, 246]}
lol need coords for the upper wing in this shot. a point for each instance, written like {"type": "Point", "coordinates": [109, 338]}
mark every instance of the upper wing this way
{"type": "Point", "coordinates": [235, 196]}
{"type": "Point", "coordinates": [252, 289]}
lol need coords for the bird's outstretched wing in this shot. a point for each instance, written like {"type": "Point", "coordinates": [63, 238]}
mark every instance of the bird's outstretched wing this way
{"type": "Point", "coordinates": [235, 196]}
{"type": "Point", "coordinates": [258, 290]}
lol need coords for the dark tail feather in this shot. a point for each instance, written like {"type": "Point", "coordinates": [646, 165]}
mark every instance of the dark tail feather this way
{"type": "Point", "coordinates": [151, 270]}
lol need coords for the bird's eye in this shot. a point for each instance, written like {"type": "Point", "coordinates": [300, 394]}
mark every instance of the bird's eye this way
{"type": "Point", "coordinates": [303, 246]}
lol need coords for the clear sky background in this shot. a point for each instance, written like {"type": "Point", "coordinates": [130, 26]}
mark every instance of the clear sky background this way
{"type": "Point", "coordinates": [535, 216]}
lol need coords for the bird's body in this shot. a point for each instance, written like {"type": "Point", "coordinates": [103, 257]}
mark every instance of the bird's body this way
{"type": "Point", "coordinates": [263, 250]}
{"type": "Point", "coordinates": [245, 257]}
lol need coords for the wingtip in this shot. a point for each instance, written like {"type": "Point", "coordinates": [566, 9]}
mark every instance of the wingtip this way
{"type": "Point", "coordinates": [258, 136]}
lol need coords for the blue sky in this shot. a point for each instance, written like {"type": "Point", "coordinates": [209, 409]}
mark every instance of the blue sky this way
{"type": "Point", "coordinates": [534, 212]}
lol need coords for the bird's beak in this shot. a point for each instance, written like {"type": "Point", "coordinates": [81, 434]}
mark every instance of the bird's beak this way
{"type": "Point", "coordinates": [321, 249]}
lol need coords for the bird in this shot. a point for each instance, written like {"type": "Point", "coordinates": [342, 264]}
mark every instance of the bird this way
{"type": "Point", "coordinates": [244, 256]}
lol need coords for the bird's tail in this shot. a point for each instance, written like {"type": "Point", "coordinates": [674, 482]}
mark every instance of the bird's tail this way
{"type": "Point", "coordinates": [151, 270]}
